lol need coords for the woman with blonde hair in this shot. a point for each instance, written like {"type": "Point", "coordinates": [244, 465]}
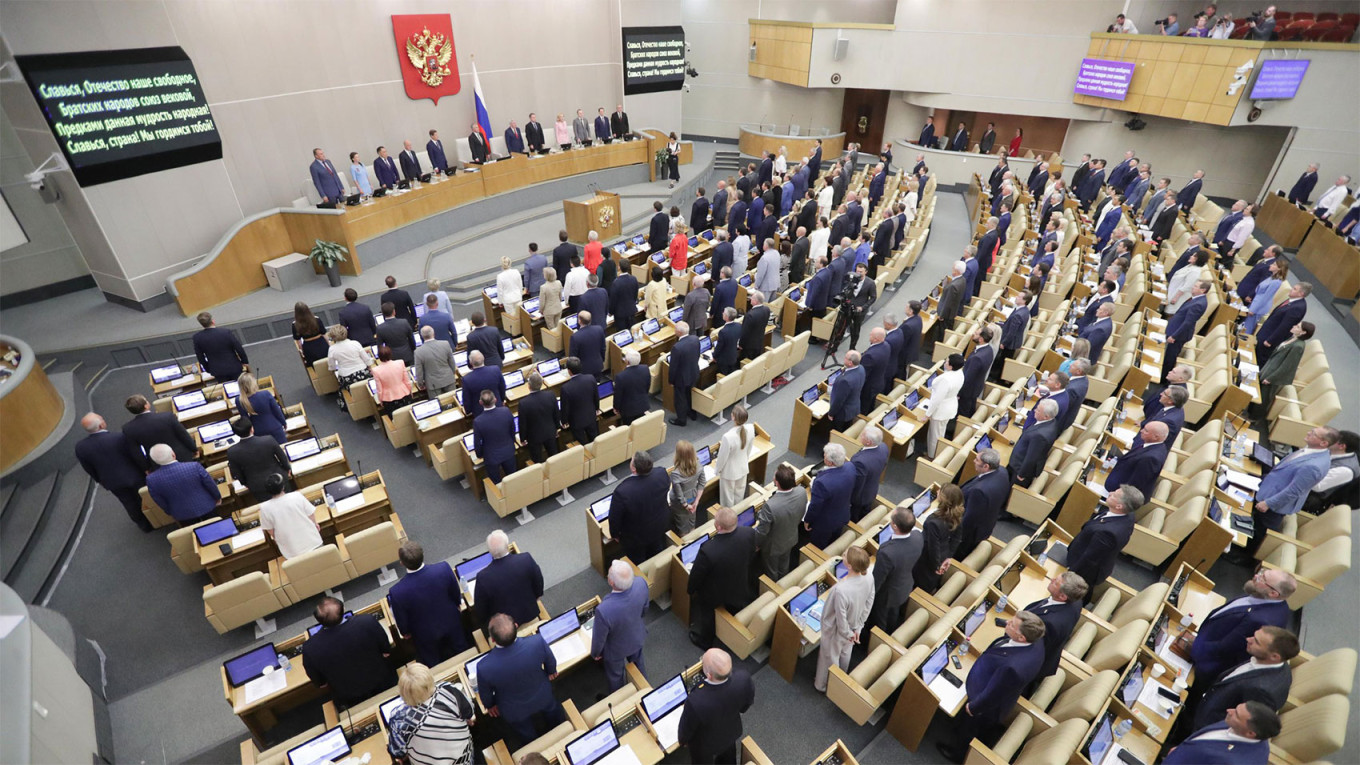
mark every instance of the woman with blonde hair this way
{"type": "Point", "coordinates": [655, 294]}
{"type": "Point", "coordinates": [261, 407]}
{"type": "Point", "coordinates": [687, 483]}
{"type": "Point", "coordinates": [733, 463]}
{"type": "Point", "coordinates": [509, 288]}
{"type": "Point", "coordinates": [394, 384]}
{"type": "Point", "coordinates": [431, 725]}
{"type": "Point", "coordinates": [1081, 349]}
{"type": "Point", "coordinates": [550, 298]}
{"type": "Point", "coordinates": [941, 531]}
{"type": "Point", "coordinates": [348, 360]}
{"type": "Point", "coordinates": [445, 304]}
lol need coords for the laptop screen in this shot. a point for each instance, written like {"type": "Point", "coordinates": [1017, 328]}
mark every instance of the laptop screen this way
{"type": "Point", "coordinates": [1101, 740]}
{"type": "Point", "coordinates": [549, 367]}
{"type": "Point", "coordinates": [606, 389]}
{"type": "Point", "coordinates": [165, 374]}
{"type": "Point", "coordinates": [795, 294]}
{"type": "Point", "coordinates": [842, 570]}
{"type": "Point", "coordinates": [420, 310]}
{"type": "Point", "coordinates": [691, 551]}
{"type": "Point", "coordinates": [935, 664]}
{"type": "Point", "coordinates": [885, 535]}
{"type": "Point", "coordinates": [250, 665]}
{"type": "Point", "coordinates": [701, 268]}
{"type": "Point", "coordinates": [976, 618]}
{"type": "Point", "coordinates": [694, 241]}
{"type": "Point", "coordinates": [983, 443]}
{"type": "Point", "coordinates": [912, 400]}
{"type": "Point", "coordinates": [651, 326]}
{"type": "Point", "coordinates": [705, 344]}
{"type": "Point", "coordinates": [803, 600]}
{"type": "Point", "coordinates": [747, 517]}
{"type": "Point", "coordinates": [931, 379]}
{"type": "Point", "coordinates": [1263, 455]}
{"type": "Point", "coordinates": [1133, 686]}
{"type": "Point", "coordinates": [593, 745]}
{"type": "Point", "coordinates": [328, 747]}
{"type": "Point", "coordinates": [389, 708]}
{"type": "Point", "coordinates": [811, 394]}
{"type": "Point", "coordinates": [215, 532]}
{"type": "Point", "coordinates": [425, 409]}
{"type": "Point", "coordinates": [639, 239]}
{"type": "Point", "coordinates": [890, 418]}
{"type": "Point", "coordinates": [231, 389]}
{"type": "Point", "coordinates": [491, 292]}
{"type": "Point", "coordinates": [623, 338]}
{"type": "Point", "coordinates": [460, 358]}
{"type": "Point", "coordinates": [469, 569]}
{"type": "Point", "coordinates": [1003, 423]}
{"type": "Point", "coordinates": [470, 443]}
{"type": "Point", "coordinates": [659, 257]}
{"type": "Point", "coordinates": [303, 449]}
{"type": "Point", "coordinates": [572, 322]}
{"type": "Point", "coordinates": [507, 344]}
{"type": "Point", "coordinates": [833, 377]}
{"type": "Point", "coordinates": [189, 400]}
{"type": "Point", "coordinates": [677, 313]}
{"type": "Point", "coordinates": [600, 509]}
{"type": "Point", "coordinates": [621, 247]}
{"type": "Point", "coordinates": [922, 502]}
{"type": "Point", "coordinates": [658, 703]}
{"type": "Point", "coordinates": [560, 626]}
{"type": "Point", "coordinates": [530, 305]}
{"type": "Point", "coordinates": [214, 431]}
{"type": "Point", "coordinates": [342, 489]}
{"type": "Point", "coordinates": [514, 379]}
{"type": "Point", "coordinates": [1215, 511]}
{"type": "Point", "coordinates": [746, 280]}
{"type": "Point", "coordinates": [705, 455]}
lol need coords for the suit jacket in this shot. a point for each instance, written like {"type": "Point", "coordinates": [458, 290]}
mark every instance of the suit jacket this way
{"type": "Point", "coordinates": [618, 123]}
{"type": "Point", "coordinates": [765, 171]}
{"type": "Point", "coordinates": [434, 150]}
{"type": "Point", "coordinates": [514, 141]}
{"type": "Point", "coordinates": [639, 514]}
{"type": "Point", "coordinates": [561, 259]}
{"type": "Point", "coordinates": [974, 378]}
{"type": "Point", "coordinates": [1094, 549]}
{"type": "Point", "coordinates": [839, 268]}
{"type": "Point", "coordinates": [1221, 642]}
{"type": "Point", "coordinates": [1037, 183]}
{"type": "Point", "coordinates": [487, 339]}
{"type": "Point", "coordinates": [876, 361]}
{"type": "Point", "coordinates": [721, 573]}
{"type": "Point", "coordinates": [253, 460]}
{"type": "Point", "coordinates": [987, 141]}
{"type": "Point", "coordinates": [326, 181]}
{"type": "Point", "coordinates": [511, 585]}
{"type": "Point", "coordinates": [109, 460]}
{"type": "Point", "coordinates": [1173, 417]}
{"type": "Point", "coordinates": [184, 490]}
{"type": "Point", "coordinates": [1076, 391]}
{"type": "Point", "coordinates": [1091, 186]}
{"type": "Point", "coordinates": [777, 523]}
{"type": "Point", "coordinates": [1198, 751]}
{"type": "Point", "coordinates": [893, 579]}
{"type": "Point", "coordinates": [727, 348]}
{"type": "Point", "coordinates": [602, 129]}
{"type": "Point", "coordinates": [385, 168]}
{"type": "Point", "coordinates": [711, 720]}
{"type": "Point", "coordinates": [845, 395]}
{"type": "Point", "coordinates": [395, 333]}
{"type": "Point", "coordinates": [927, 135]}
{"type": "Point", "coordinates": [829, 506]}
{"type": "Point", "coordinates": [971, 283]}
{"type": "Point", "coordinates": [1089, 315]}
{"type": "Point", "coordinates": [911, 347]}
{"type": "Point", "coordinates": [1119, 174]}
{"type": "Point", "coordinates": [1031, 449]}
{"type": "Point", "coordinates": [477, 145]}
{"type": "Point", "coordinates": [897, 342]}
{"type": "Point", "coordinates": [1286, 486]}
{"type": "Point", "coordinates": [587, 344]}
{"type": "Point", "coordinates": [983, 497]}
{"type": "Point", "coordinates": [478, 380]}
{"type": "Point", "coordinates": [1097, 333]}
{"type": "Point", "coordinates": [410, 165]}
{"type": "Point", "coordinates": [426, 604]}
{"type": "Point", "coordinates": [596, 301]}
{"type": "Point", "coordinates": [698, 215]}
{"type": "Point", "coordinates": [684, 362]}
{"type": "Point", "coordinates": [1133, 195]}
{"type": "Point", "coordinates": [856, 212]}
{"type": "Point", "coordinates": [959, 141]}
{"type": "Point", "coordinates": [1182, 262]}
{"type": "Point", "coordinates": [1138, 467]}
{"type": "Point", "coordinates": [999, 675]}
{"type": "Point", "coordinates": [869, 466]}
{"type": "Point", "coordinates": [1059, 621]}
{"type": "Point", "coordinates": [1259, 272]}
{"type": "Point", "coordinates": [619, 627]}
{"type": "Point", "coordinates": [150, 428]}
{"type": "Point", "coordinates": [1268, 685]}
{"type": "Point", "coordinates": [580, 400]}
{"type": "Point", "coordinates": [435, 366]}
{"type": "Point", "coordinates": [623, 297]}
{"type": "Point", "coordinates": [1013, 331]}
{"type": "Point", "coordinates": [658, 233]}
{"type": "Point", "coordinates": [753, 326]}
{"type": "Point", "coordinates": [515, 677]}
{"type": "Point", "coordinates": [533, 131]}
{"type": "Point", "coordinates": [539, 418]}
{"type": "Point", "coordinates": [1188, 193]}
{"type": "Point", "coordinates": [401, 300]}
{"type": "Point", "coordinates": [631, 391]}
{"type": "Point", "coordinates": [819, 290]}
{"type": "Point", "coordinates": [221, 353]}
{"type": "Point", "coordinates": [1108, 220]}
{"type": "Point", "coordinates": [493, 435]}
{"type": "Point", "coordinates": [951, 300]}
{"type": "Point", "coordinates": [1303, 188]}
{"type": "Point", "coordinates": [1161, 226]}
{"type": "Point", "coordinates": [349, 658]}
{"type": "Point", "coordinates": [1275, 329]}
{"type": "Point", "coordinates": [1182, 323]}
{"type": "Point", "coordinates": [357, 319]}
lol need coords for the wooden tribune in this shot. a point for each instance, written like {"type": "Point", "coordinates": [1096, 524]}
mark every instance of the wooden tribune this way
{"type": "Point", "coordinates": [601, 214]}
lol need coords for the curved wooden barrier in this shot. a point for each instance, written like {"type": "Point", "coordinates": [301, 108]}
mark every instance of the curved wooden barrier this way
{"type": "Point", "coordinates": [30, 406]}
{"type": "Point", "coordinates": [755, 144]}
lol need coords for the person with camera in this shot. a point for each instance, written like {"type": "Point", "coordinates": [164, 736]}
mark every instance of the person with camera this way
{"type": "Point", "coordinates": [858, 295]}
{"type": "Point", "coordinates": [1169, 26]}
{"type": "Point", "coordinates": [1262, 24]}
{"type": "Point", "coordinates": [1223, 28]}
{"type": "Point", "coordinates": [1122, 26]}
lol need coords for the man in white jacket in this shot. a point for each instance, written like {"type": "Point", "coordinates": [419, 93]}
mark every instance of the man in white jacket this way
{"type": "Point", "coordinates": [1331, 199]}
{"type": "Point", "coordinates": [944, 401]}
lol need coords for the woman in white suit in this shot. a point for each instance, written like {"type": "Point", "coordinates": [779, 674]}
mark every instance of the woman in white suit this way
{"type": "Point", "coordinates": [734, 458]}
{"type": "Point", "coordinates": [944, 401]}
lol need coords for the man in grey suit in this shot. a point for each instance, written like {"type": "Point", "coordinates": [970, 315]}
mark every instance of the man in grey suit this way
{"type": "Point", "coordinates": [619, 628]}
{"type": "Point", "coordinates": [777, 522]}
{"type": "Point", "coordinates": [893, 580]}
{"type": "Point", "coordinates": [434, 365]}
{"type": "Point", "coordinates": [580, 128]}
{"type": "Point", "coordinates": [951, 299]}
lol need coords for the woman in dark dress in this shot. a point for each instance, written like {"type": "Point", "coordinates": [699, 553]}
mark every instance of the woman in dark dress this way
{"type": "Point", "coordinates": [941, 532]}
{"type": "Point", "coordinates": [309, 335]}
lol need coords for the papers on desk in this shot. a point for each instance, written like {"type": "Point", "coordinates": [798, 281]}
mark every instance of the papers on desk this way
{"type": "Point", "coordinates": [1151, 369]}
{"type": "Point", "coordinates": [1249, 371]}
{"type": "Point", "coordinates": [247, 538]}
{"type": "Point", "coordinates": [1238, 478]}
{"type": "Point", "coordinates": [1170, 659]}
{"type": "Point", "coordinates": [1098, 488]}
{"type": "Point", "coordinates": [1153, 356]}
{"type": "Point", "coordinates": [820, 407]}
{"type": "Point", "coordinates": [951, 697]}
{"type": "Point", "coordinates": [1125, 435]}
{"type": "Point", "coordinates": [237, 487]}
{"type": "Point", "coordinates": [569, 647]}
{"type": "Point", "coordinates": [1157, 337]}
{"type": "Point", "coordinates": [350, 503]}
{"type": "Point", "coordinates": [901, 430]}
{"type": "Point", "coordinates": [264, 685]}
{"type": "Point", "coordinates": [1156, 323]}
{"type": "Point", "coordinates": [624, 755]}
{"type": "Point", "coordinates": [293, 423]}
{"type": "Point", "coordinates": [668, 729]}
{"type": "Point", "coordinates": [709, 473]}
{"type": "Point", "coordinates": [1150, 698]}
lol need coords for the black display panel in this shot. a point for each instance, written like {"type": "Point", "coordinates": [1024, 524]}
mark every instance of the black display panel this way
{"type": "Point", "coordinates": [653, 59]}
{"type": "Point", "coordinates": [123, 113]}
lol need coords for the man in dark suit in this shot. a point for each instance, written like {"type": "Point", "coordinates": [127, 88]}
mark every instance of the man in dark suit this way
{"type": "Point", "coordinates": [819, 287]}
{"type": "Point", "coordinates": [1092, 184]}
{"type": "Point", "coordinates": [721, 199]}
{"type": "Point", "coordinates": [540, 420]}
{"type": "Point", "coordinates": [1275, 329]}
{"type": "Point", "coordinates": [623, 299]}
{"type": "Point", "coordinates": [632, 386]}
{"type": "Point", "coordinates": [385, 168]}
{"type": "Point", "coordinates": [1121, 172]}
{"type": "Point", "coordinates": [357, 319]}
{"type": "Point", "coordinates": [148, 428]}
{"type": "Point", "coordinates": [434, 151]}
{"type": "Point", "coordinates": [1013, 331]}
{"type": "Point", "coordinates": [684, 373]}
{"type": "Point", "coordinates": [1196, 239]}
{"type": "Point", "coordinates": [877, 362]}
{"type": "Point", "coordinates": [1170, 412]}
{"type": "Point", "coordinates": [882, 244]}
{"type": "Point", "coordinates": [1060, 612]}
{"type": "Point", "coordinates": [710, 723]}
{"type": "Point", "coordinates": [580, 397]}
{"type": "Point", "coordinates": [1258, 273]}
{"type": "Point", "coordinates": [698, 213]}
{"type": "Point", "coordinates": [1265, 678]}
{"type": "Point", "coordinates": [255, 458]}
{"type": "Point", "coordinates": [975, 370]}
{"type": "Point", "coordinates": [658, 232]}
{"type": "Point", "coordinates": [427, 606]}
{"type": "Point", "coordinates": [533, 133]}
{"type": "Point", "coordinates": [1031, 449]}
{"type": "Point", "coordinates": [893, 579]}
{"type": "Point", "coordinates": [1141, 464]}
{"type": "Point", "coordinates": [493, 437]}
{"type": "Point", "coordinates": [1190, 191]}
{"type": "Point", "coordinates": [485, 339]}
{"type": "Point", "coordinates": [766, 169]}
{"type": "Point", "coordinates": [911, 338]}
{"type": "Point", "coordinates": [987, 247]}
{"type": "Point", "coordinates": [1165, 219]}
{"type": "Point", "coordinates": [815, 161]}
{"type": "Point", "coordinates": [983, 497]}
{"type": "Point", "coordinates": [327, 182]}
{"type": "Point", "coordinates": [562, 255]}
{"type": "Point", "coordinates": [845, 393]}
{"type": "Point", "coordinates": [840, 182]}
{"type": "Point", "coordinates": [620, 631]}
{"type": "Point", "coordinates": [639, 514]}
{"type": "Point", "coordinates": [727, 348]}
{"type": "Point", "coordinates": [477, 145]}
{"type": "Point", "coordinates": [1242, 736]}
{"type": "Point", "coordinates": [951, 300]}
{"type": "Point", "coordinates": [1083, 169]}
{"type": "Point", "coordinates": [603, 131]}
{"type": "Point", "coordinates": [510, 584]}
{"type": "Point", "coordinates": [855, 210]}
{"type": "Point", "coordinates": [736, 216]}
{"type": "Point", "coordinates": [515, 680]}
{"type": "Point", "coordinates": [1104, 294]}
{"type": "Point", "coordinates": [1221, 642]}
{"type": "Point", "coordinates": [1096, 546]}
{"type": "Point", "coordinates": [410, 163]}
{"type": "Point", "coordinates": [514, 139]}
{"type": "Point", "coordinates": [401, 300]}
{"type": "Point", "coordinates": [1078, 384]}
{"type": "Point", "coordinates": [994, 684]}
{"type": "Point", "coordinates": [1180, 328]}
{"type": "Point", "coordinates": [108, 459]}
{"type": "Point", "coordinates": [896, 338]}
{"type": "Point", "coordinates": [348, 656]}
{"type": "Point", "coordinates": [395, 333]}
{"type": "Point", "coordinates": [721, 574]}
{"type": "Point", "coordinates": [753, 326]}
{"type": "Point", "coordinates": [927, 138]}
{"type": "Point", "coordinates": [876, 186]}
{"type": "Point", "coordinates": [1038, 180]}
{"type": "Point", "coordinates": [478, 378]}
{"type": "Point", "coordinates": [829, 505]}
{"type": "Point", "coordinates": [218, 351]}
{"type": "Point", "coordinates": [595, 301]}
{"type": "Point", "coordinates": [182, 488]}
{"type": "Point", "coordinates": [1097, 333]}
{"type": "Point", "coordinates": [1303, 187]}
{"type": "Point", "coordinates": [960, 140]}
{"type": "Point", "coordinates": [587, 344]}
{"type": "Point", "coordinates": [988, 139]}
{"type": "Point", "coordinates": [618, 123]}
{"type": "Point", "coordinates": [869, 462]}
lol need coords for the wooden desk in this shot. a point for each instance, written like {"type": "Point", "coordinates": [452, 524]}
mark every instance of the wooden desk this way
{"type": "Point", "coordinates": [194, 378]}
{"type": "Point", "coordinates": [1334, 261]}
{"type": "Point", "coordinates": [838, 752]}
{"type": "Point", "coordinates": [793, 638]}
{"type": "Point", "coordinates": [327, 465]}
{"type": "Point", "coordinates": [397, 209]}
{"type": "Point", "coordinates": [438, 428]}
{"type": "Point", "coordinates": [1285, 223]}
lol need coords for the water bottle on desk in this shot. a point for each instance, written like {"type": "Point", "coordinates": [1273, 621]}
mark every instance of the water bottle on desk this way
{"type": "Point", "coordinates": [1001, 603]}
{"type": "Point", "coordinates": [1125, 725]}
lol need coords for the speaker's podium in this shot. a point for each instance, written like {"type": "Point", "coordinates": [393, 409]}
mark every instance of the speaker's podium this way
{"type": "Point", "coordinates": [601, 213]}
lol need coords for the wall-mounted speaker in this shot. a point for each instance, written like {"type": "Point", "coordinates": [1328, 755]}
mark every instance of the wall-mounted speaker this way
{"type": "Point", "coordinates": [836, 78]}
{"type": "Point", "coordinates": [842, 46]}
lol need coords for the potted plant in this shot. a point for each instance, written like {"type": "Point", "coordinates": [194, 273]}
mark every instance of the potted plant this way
{"type": "Point", "coordinates": [660, 159]}
{"type": "Point", "coordinates": [329, 255]}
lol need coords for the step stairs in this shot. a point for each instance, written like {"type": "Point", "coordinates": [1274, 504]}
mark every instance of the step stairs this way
{"type": "Point", "coordinates": [39, 521]}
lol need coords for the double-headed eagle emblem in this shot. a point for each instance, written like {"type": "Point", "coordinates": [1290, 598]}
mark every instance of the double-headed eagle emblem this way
{"type": "Point", "coordinates": [430, 53]}
{"type": "Point", "coordinates": [606, 216]}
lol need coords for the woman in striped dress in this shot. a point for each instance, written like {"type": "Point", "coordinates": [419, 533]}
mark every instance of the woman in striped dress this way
{"type": "Point", "coordinates": [431, 728]}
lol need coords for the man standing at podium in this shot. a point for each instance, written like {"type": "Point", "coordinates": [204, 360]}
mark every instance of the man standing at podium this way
{"type": "Point", "coordinates": [580, 129]}
{"type": "Point", "coordinates": [603, 132]}
{"type": "Point", "coordinates": [477, 144]}
{"type": "Point", "coordinates": [327, 183]}
{"type": "Point", "coordinates": [618, 122]}
{"type": "Point", "coordinates": [514, 140]}
{"type": "Point", "coordinates": [410, 163]}
{"type": "Point", "coordinates": [385, 169]}
{"type": "Point", "coordinates": [434, 149]}
{"type": "Point", "coordinates": [533, 132]}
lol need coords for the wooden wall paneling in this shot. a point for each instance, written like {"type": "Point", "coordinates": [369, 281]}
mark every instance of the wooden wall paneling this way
{"type": "Point", "coordinates": [30, 411]}
{"type": "Point", "coordinates": [236, 271]}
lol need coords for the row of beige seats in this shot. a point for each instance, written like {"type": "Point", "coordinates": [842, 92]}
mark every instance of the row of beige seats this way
{"type": "Point", "coordinates": [754, 374]}
{"type": "Point", "coordinates": [1316, 549]}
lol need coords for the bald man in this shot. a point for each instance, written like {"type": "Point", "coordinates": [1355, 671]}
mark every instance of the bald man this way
{"type": "Point", "coordinates": [1141, 464]}
{"type": "Point", "coordinates": [710, 724]}
{"type": "Point", "coordinates": [108, 459]}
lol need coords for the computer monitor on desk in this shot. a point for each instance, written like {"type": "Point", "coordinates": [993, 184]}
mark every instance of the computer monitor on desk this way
{"type": "Point", "coordinates": [330, 746]}
{"type": "Point", "coordinates": [935, 663]}
{"type": "Point", "coordinates": [676, 314]}
{"type": "Point", "coordinates": [166, 374]}
{"type": "Point", "coordinates": [300, 450]}
{"type": "Point", "coordinates": [691, 551]}
{"type": "Point", "coordinates": [623, 339]}
{"type": "Point", "coordinates": [600, 508]}
{"type": "Point", "coordinates": [560, 626]}
{"type": "Point", "coordinates": [549, 367]}
{"type": "Point", "coordinates": [811, 394]}
{"type": "Point", "coordinates": [187, 401]}
{"type": "Point", "coordinates": [214, 431]}
{"type": "Point", "coordinates": [250, 665]}
{"type": "Point", "coordinates": [425, 409]}
{"type": "Point", "coordinates": [215, 532]}
{"type": "Point", "coordinates": [468, 570]}
{"type": "Point", "coordinates": [594, 745]}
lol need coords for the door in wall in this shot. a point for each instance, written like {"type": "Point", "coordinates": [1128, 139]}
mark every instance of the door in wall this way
{"type": "Point", "coordinates": [862, 117]}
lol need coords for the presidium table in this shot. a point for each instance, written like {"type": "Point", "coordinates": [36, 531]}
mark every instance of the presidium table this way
{"type": "Point", "coordinates": [233, 269]}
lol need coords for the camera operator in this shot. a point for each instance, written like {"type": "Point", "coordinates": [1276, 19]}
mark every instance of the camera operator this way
{"type": "Point", "coordinates": [1262, 24]}
{"type": "Point", "coordinates": [860, 292]}
{"type": "Point", "coordinates": [1208, 14]}
{"type": "Point", "coordinates": [1169, 26]}
{"type": "Point", "coordinates": [1122, 26]}
{"type": "Point", "coordinates": [1223, 28]}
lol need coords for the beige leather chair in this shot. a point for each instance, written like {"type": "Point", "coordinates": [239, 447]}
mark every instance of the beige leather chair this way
{"type": "Point", "coordinates": [564, 470]}
{"type": "Point", "coordinates": [1037, 502]}
{"type": "Point", "coordinates": [158, 518]}
{"type": "Point", "coordinates": [610, 448]}
{"type": "Point", "coordinates": [550, 744]}
{"type": "Point", "coordinates": [751, 627]}
{"type": "Point", "coordinates": [245, 599]}
{"type": "Point", "coordinates": [400, 427]}
{"type": "Point", "coordinates": [1308, 531]}
{"type": "Point", "coordinates": [1084, 700]}
{"type": "Point", "coordinates": [625, 697]}
{"type": "Point", "coordinates": [1021, 745]}
{"type": "Point", "coordinates": [516, 491]}
{"type": "Point", "coordinates": [313, 573]}
{"type": "Point", "coordinates": [1112, 651]}
{"type": "Point", "coordinates": [1296, 419]}
{"type": "Point", "coordinates": [323, 379]}
{"type": "Point", "coordinates": [647, 432]}
{"type": "Point", "coordinates": [372, 549]}
{"type": "Point", "coordinates": [1314, 569]}
{"type": "Point", "coordinates": [1158, 534]}
{"type": "Point", "coordinates": [712, 401]}
{"type": "Point", "coordinates": [182, 550]}
{"type": "Point", "coordinates": [1319, 676]}
{"type": "Point", "coordinates": [865, 689]}
{"type": "Point", "coordinates": [1314, 730]}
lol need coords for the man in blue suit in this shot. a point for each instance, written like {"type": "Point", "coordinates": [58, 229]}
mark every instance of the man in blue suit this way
{"type": "Point", "coordinates": [1113, 212]}
{"type": "Point", "coordinates": [579, 401]}
{"type": "Point", "coordinates": [357, 319]}
{"type": "Point", "coordinates": [218, 351]}
{"type": "Point", "coordinates": [603, 131]}
{"type": "Point", "coordinates": [1243, 738]}
{"type": "Point", "coordinates": [515, 681]}
{"type": "Point", "coordinates": [493, 436]}
{"type": "Point", "coordinates": [1060, 612]}
{"type": "Point", "coordinates": [485, 339]}
{"type": "Point", "coordinates": [1003, 224]}
{"type": "Point", "coordinates": [623, 299]}
{"type": "Point", "coordinates": [1275, 329]}
{"type": "Point", "coordinates": [638, 513]}
{"type": "Point", "coordinates": [595, 301]}
{"type": "Point", "coordinates": [1097, 333]}
{"type": "Point", "coordinates": [856, 212]}
{"type": "Point", "coordinates": [1258, 273]}
{"type": "Point", "coordinates": [971, 280]}
{"type": "Point", "coordinates": [1056, 383]}
{"type": "Point", "coordinates": [440, 322]}
{"type": "Point", "coordinates": [819, 288]}
{"type": "Point", "coordinates": [107, 457]}
{"type": "Point", "coordinates": [385, 168]}
{"type": "Point", "coordinates": [876, 362]}
{"type": "Point", "coordinates": [587, 344]}
{"type": "Point", "coordinates": [1077, 386]}
{"type": "Point", "coordinates": [815, 161]}
{"type": "Point", "coordinates": [325, 179]}
{"type": "Point", "coordinates": [724, 296]}
{"type": "Point", "coordinates": [620, 631]}
{"type": "Point", "coordinates": [1190, 191]}
{"type": "Point", "coordinates": [975, 370]}
{"type": "Point", "coordinates": [1140, 465]}
{"type": "Point", "coordinates": [1303, 187]}
{"type": "Point", "coordinates": [876, 185]}
{"type": "Point", "coordinates": [1137, 189]}
{"type": "Point", "coordinates": [1013, 331]}
{"type": "Point", "coordinates": [1265, 678]}
{"type": "Point", "coordinates": [927, 138]}
{"type": "Point", "coordinates": [183, 489]}
{"type": "Point", "coordinates": [983, 497]}
{"type": "Point", "coordinates": [684, 373]}
{"type": "Point", "coordinates": [870, 462]}
{"type": "Point", "coordinates": [1181, 327]}
{"type": "Point", "coordinates": [1121, 171]}
{"type": "Point", "coordinates": [995, 682]}
{"type": "Point", "coordinates": [736, 216]}
{"type": "Point", "coordinates": [845, 393]}
{"type": "Point", "coordinates": [1284, 489]}
{"type": "Point", "coordinates": [1170, 412]}
{"type": "Point", "coordinates": [434, 151]}
{"type": "Point", "coordinates": [896, 339]}
{"type": "Point", "coordinates": [510, 584]}
{"type": "Point", "coordinates": [1032, 447]}
{"type": "Point", "coordinates": [480, 377]}
{"type": "Point", "coordinates": [1104, 294]}
{"type": "Point", "coordinates": [632, 386]}
{"type": "Point", "coordinates": [1221, 642]}
{"type": "Point", "coordinates": [1092, 184]}
{"type": "Point", "coordinates": [1094, 549]}
{"type": "Point", "coordinates": [727, 347]}
{"type": "Point", "coordinates": [829, 505]}
{"type": "Point", "coordinates": [514, 139]}
{"type": "Point", "coordinates": [426, 604]}
{"type": "Point", "coordinates": [719, 206]}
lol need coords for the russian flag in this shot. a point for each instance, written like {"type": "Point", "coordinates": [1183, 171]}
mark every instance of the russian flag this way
{"type": "Point", "coordinates": [483, 119]}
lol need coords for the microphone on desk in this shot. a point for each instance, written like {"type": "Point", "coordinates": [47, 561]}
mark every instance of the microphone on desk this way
{"type": "Point", "coordinates": [359, 471]}
{"type": "Point", "coordinates": [611, 712]}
